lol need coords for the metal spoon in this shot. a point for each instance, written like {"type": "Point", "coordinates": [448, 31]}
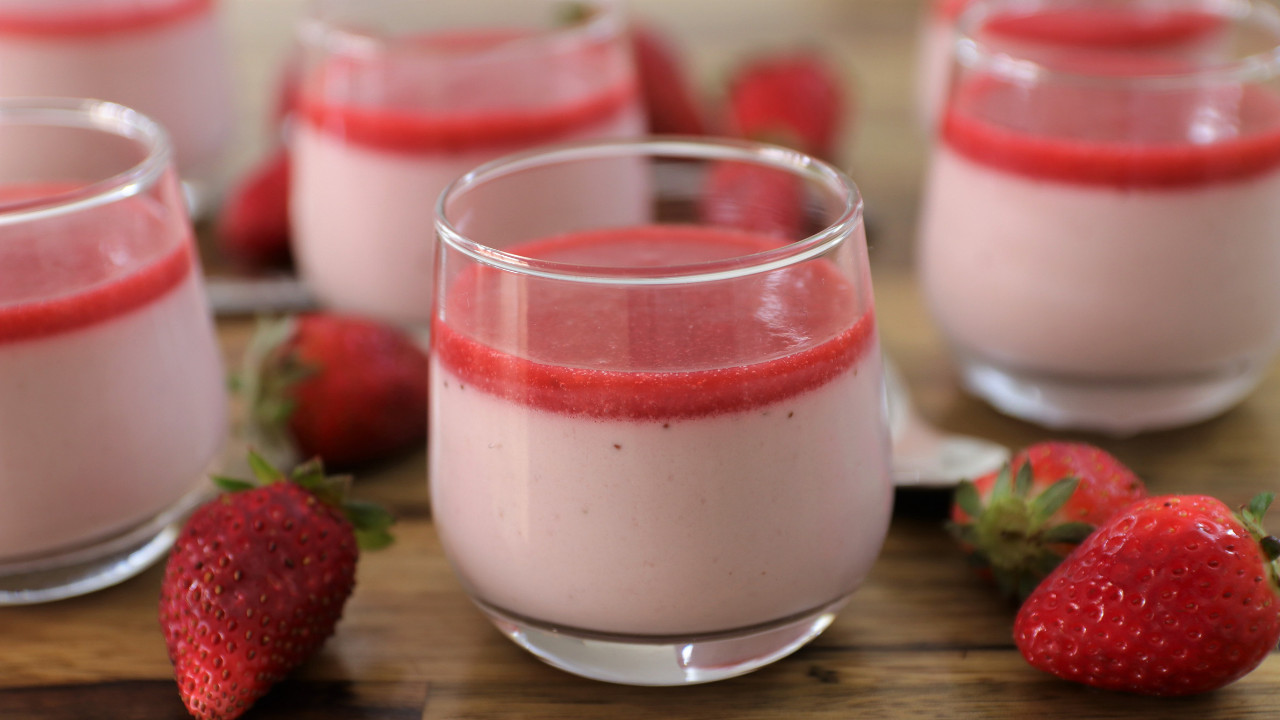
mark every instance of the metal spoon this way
{"type": "Point", "coordinates": [924, 456]}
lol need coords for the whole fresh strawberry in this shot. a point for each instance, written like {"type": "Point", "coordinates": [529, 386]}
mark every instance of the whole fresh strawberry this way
{"type": "Point", "coordinates": [671, 105]}
{"type": "Point", "coordinates": [256, 582]}
{"type": "Point", "coordinates": [1174, 595]}
{"type": "Point", "coordinates": [253, 228]}
{"type": "Point", "coordinates": [348, 389]}
{"type": "Point", "coordinates": [763, 97]}
{"type": "Point", "coordinates": [755, 198]}
{"type": "Point", "coordinates": [1018, 523]}
{"type": "Point", "coordinates": [793, 99]}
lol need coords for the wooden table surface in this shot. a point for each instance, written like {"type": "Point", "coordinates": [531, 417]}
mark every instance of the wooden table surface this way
{"type": "Point", "coordinates": [923, 638]}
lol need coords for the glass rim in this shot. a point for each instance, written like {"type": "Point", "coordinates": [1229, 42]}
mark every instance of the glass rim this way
{"type": "Point", "coordinates": [1258, 67]}
{"type": "Point", "coordinates": [673, 147]}
{"type": "Point", "coordinates": [99, 115]}
{"type": "Point", "coordinates": [317, 30]}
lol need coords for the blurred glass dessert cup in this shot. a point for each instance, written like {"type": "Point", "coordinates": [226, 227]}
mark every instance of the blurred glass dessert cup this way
{"type": "Point", "coordinates": [164, 58]}
{"type": "Point", "coordinates": [1100, 240]}
{"type": "Point", "coordinates": [112, 400]}
{"type": "Point", "coordinates": [399, 97]}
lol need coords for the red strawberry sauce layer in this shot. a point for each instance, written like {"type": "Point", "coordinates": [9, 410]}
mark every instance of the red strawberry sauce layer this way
{"type": "Point", "coordinates": [62, 263]}
{"type": "Point", "coordinates": [1116, 135]}
{"type": "Point", "coordinates": [105, 19]}
{"type": "Point", "coordinates": [653, 353]}
{"type": "Point", "coordinates": [401, 122]}
{"type": "Point", "coordinates": [1101, 27]}
{"type": "Point", "coordinates": [1094, 27]}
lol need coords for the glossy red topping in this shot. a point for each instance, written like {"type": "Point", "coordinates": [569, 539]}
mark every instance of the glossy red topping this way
{"type": "Point", "coordinates": [410, 131]}
{"type": "Point", "coordinates": [50, 20]}
{"type": "Point", "coordinates": [1093, 26]}
{"type": "Point", "coordinates": [69, 273]}
{"type": "Point", "coordinates": [950, 9]}
{"type": "Point", "coordinates": [461, 91]}
{"type": "Point", "coordinates": [1118, 134]}
{"type": "Point", "coordinates": [654, 353]}
{"type": "Point", "coordinates": [1102, 27]}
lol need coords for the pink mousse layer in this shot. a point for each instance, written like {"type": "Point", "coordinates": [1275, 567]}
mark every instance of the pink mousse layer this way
{"type": "Point", "coordinates": [111, 394]}
{"type": "Point", "coordinates": [366, 177]}
{"type": "Point", "coordinates": [1103, 243]}
{"type": "Point", "coordinates": [666, 473]}
{"type": "Point", "coordinates": [164, 58]}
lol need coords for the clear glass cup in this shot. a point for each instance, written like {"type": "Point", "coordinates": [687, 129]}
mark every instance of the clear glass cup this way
{"type": "Point", "coordinates": [164, 58]}
{"type": "Point", "coordinates": [1100, 240]}
{"type": "Point", "coordinates": [934, 40]}
{"type": "Point", "coordinates": [658, 445]}
{"type": "Point", "coordinates": [399, 97]}
{"type": "Point", "coordinates": [112, 396]}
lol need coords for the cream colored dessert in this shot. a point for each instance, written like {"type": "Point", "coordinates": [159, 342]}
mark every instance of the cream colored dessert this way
{"type": "Point", "coordinates": [164, 58]}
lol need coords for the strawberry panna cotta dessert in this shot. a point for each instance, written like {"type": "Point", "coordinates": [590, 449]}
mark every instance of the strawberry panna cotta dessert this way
{"type": "Point", "coordinates": [1166, 596]}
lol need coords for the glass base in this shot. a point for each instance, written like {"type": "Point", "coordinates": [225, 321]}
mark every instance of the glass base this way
{"type": "Point", "coordinates": [86, 569]}
{"type": "Point", "coordinates": [664, 660]}
{"type": "Point", "coordinates": [1117, 408]}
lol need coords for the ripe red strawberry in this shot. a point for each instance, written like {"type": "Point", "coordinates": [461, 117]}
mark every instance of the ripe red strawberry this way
{"type": "Point", "coordinates": [253, 225]}
{"type": "Point", "coordinates": [754, 198]}
{"type": "Point", "coordinates": [671, 105]}
{"type": "Point", "coordinates": [1174, 595]}
{"type": "Point", "coordinates": [347, 389]}
{"type": "Point", "coordinates": [788, 100]}
{"type": "Point", "coordinates": [1018, 523]}
{"type": "Point", "coordinates": [792, 99]}
{"type": "Point", "coordinates": [256, 582]}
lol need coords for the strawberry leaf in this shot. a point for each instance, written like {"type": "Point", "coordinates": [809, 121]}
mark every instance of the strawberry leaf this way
{"type": "Point", "coordinates": [1051, 500]}
{"type": "Point", "coordinates": [1003, 484]}
{"type": "Point", "coordinates": [232, 485]}
{"type": "Point", "coordinates": [373, 539]}
{"type": "Point", "coordinates": [309, 474]}
{"type": "Point", "coordinates": [367, 516]}
{"type": "Point", "coordinates": [371, 522]}
{"type": "Point", "coordinates": [1022, 483]}
{"type": "Point", "coordinates": [265, 380]}
{"type": "Point", "coordinates": [1251, 515]}
{"type": "Point", "coordinates": [968, 499]}
{"type": "Point", "coordinates": [265, 472]}
{"type": "Point", "coordinates": [1257, 508]}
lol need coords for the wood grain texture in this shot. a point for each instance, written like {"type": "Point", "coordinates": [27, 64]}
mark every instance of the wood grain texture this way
{"type": "Point", "coordinates": [922, 639]}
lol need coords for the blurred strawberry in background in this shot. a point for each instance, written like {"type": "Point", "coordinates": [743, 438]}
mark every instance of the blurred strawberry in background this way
{"type": "Point", "coordinates": [252, 227]}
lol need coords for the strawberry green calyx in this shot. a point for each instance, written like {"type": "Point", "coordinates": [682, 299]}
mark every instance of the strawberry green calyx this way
{"type": "Point", "coordinates": [1250, 516]}
{"type": "Point", "coordinates": [267, 374]}
{"type": "Point", "coordinates": [370, 522]}
{"type": "Point", "coordinates": [1011, 536]}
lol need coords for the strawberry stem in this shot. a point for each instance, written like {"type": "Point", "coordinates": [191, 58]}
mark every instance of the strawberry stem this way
{"type": "Point", "coordinates": [1271, 546]}
{"type": "Point", "coordinates": [370, 521]}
